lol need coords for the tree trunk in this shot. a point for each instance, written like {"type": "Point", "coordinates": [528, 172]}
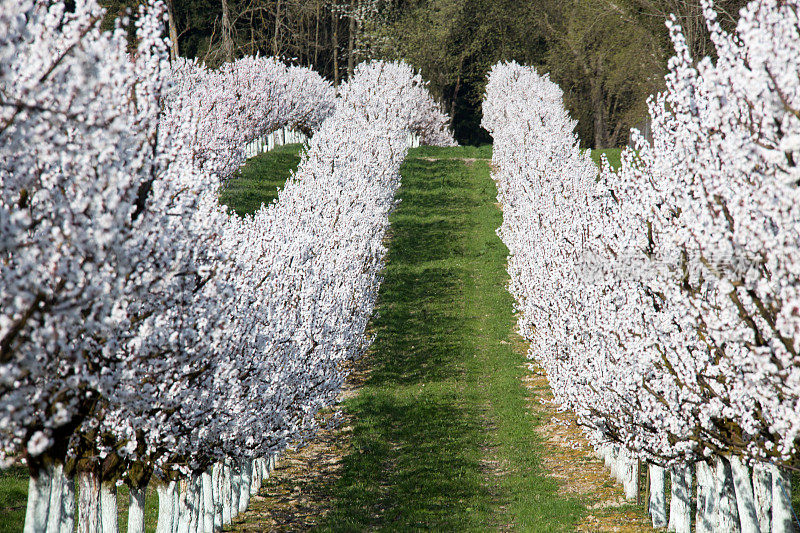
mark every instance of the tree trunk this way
{"type": "Point", "coordinates": [136, 509]}
{"type": "Point", "coordinates": [745, 502]}
{"type": "Point", "coordinates": [184, 511]}
{"type": "Point", "coordinates": [335, 46]}
{"type": "Point", "coordinates": [351, 41]}
{"type": "Point", "coordinates": [316, 37]}
{"type": "Point", "coordinates": [455, 92]}
{"type": "Point", "coordinates": [680, 509]}
{"type": "Point", "coordinates": [173, 30]}
{"type": "Point", "coordinates": [56, 495]}
{"type": "Point", "coordinates": [236, 489]}
{"type": "Point", "coordinates": [88, 502]}
{"type": "Point", "coordinates": [727, 518]}
{"type": "Point", "coordinates": [108, 508]}
{"type": "Point", "coordinates": [706, 505]}
{"type": "Point", "coordinates": [38, 501]}
{"type": "Point", "coordinates": [781, 501]}
{"type": "Point", "coordinates": [208, 501]}
{"type": "Point", "coordinates": [216, 486]}
{"type": "Point", "coordinates": [762, 494]}
{"type": "Point", "coordinates": [176, 507]}
{"type": "Point", "coordinates": [67, 505]}
{"type": "Point", "coordinates": [227, 32]}
{"type": "Point", "coordinates": [227, 494]}
{"type": "Point", "coordinates": [277, 30]}
{"type": "Point", "coordinates": [166, 511]}
{"type": "Point", "coordinates": [657, 506]}
{"type": "Point", "coordinates": [195, 502]}
{"type": "Point", "coordinates": [244, 489]}
{"type": "Point", "coordinates": [598, 113]}
{"type": "Point", "coordinates": [630, 473]}
{"type": "Point", "coordinates": [255, 467]}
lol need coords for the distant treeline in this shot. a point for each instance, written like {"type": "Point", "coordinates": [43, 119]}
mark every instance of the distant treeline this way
{"type": "Point", "coordinates": [607, 55]}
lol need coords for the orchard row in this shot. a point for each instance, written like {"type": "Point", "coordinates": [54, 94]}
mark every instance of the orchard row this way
{"type": "Point", "coordinates": [662, 298]}
{"type": "Point", "coordinates": [146, 331]}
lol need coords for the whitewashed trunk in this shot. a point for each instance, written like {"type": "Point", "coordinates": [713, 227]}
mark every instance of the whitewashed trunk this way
{"type": "Point", "coordinates": [136, 509]}
{"type": "Point", "coordinates": [255, 484]}
{"type": "Point", "coordinates": [657, 505]}
{"type": "Point", "coordinates": [745, 501]}
{"type": "Point", "coordinates": [680, 499]}
{"type": "Point", "coordinates": [166, 507]}
{"type": "Point", "coordinates": [606, 451]}
{"type": "Point", "coordinates": [108, 508]}
{"type": "Point", "coordinates": [630, 476]}
{"type": "Point", "coordinates": [227, 494]}
{"type": "Point", "coordinates": [216, 485]}
{"type": "Point", "coordinates": [706, 504]}
{"type": "Point", "coordinates": [236, 489]}
{"type": "Point", "coordinates": [727, 514]}
{"type": "Point", "coordinates": [38, 505]}
{"type": "Point", "coordinates": [176, 507]}
{"type": "Point", "coordinates": [762, 494]}
{"type": "Point", "coordinates": [197, 503]}
{"type": "Point", "coordinates": [781, 501]}
{"type": "Point", "coordinates": [184, 509]}
{"type": "Point", "coordinates": [88, 502]}
{"type": "Point", "coordinates": [208, 502]}
{"type": "Point", "coordinates": [612, 462]}
{"type": "Point", "coordinates": [67, 505]}
{"type": "Point", "coordinates": [54, 506]}
{"type": "Point", "coordinates": [244, 488]}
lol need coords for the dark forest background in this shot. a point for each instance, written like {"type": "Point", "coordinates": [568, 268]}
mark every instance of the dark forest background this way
{"type": "Point", "coordinates": [607, 55]}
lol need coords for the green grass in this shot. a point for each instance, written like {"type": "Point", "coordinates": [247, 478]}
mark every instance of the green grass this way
{"type": "Point", "coordinates": [613, 154]}
{"type": "Point", "coordinates": [13, 495]}
{"type": "Point", "coordinates": [260, 178]}
{"type": "Point", "coordinates": [456, 152]}
{"type": "Point", "coordinates": [444, 392]}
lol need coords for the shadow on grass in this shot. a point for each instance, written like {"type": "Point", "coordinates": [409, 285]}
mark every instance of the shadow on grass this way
{"type": "Point", "coordinates": [412, 465]}
{"type": "Point", "coordinates": [419, 311]}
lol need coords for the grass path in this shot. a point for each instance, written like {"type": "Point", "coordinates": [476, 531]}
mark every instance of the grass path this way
{"type": "Point", "coordinates": [440, 432]}
{"type": "Point", "coordinates": [442, 437]}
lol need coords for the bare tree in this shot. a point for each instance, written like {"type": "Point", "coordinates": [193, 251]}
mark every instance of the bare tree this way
{"type": "Point", "coordinates": [227, 32]}
{"type": "Point", "coordinates": [173, 30]}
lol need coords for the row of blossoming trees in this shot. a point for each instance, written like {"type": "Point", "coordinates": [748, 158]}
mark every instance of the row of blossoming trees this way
{"type": "Point", "coordinates": [662, 298]}
{"type": "Point", "coordinates": [145, 331]}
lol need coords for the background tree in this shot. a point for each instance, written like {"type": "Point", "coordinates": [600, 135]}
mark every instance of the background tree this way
{"type": "Point", "coordinates": [607, 55]}
{"type": "Point", "coordinates": [606, 62]}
